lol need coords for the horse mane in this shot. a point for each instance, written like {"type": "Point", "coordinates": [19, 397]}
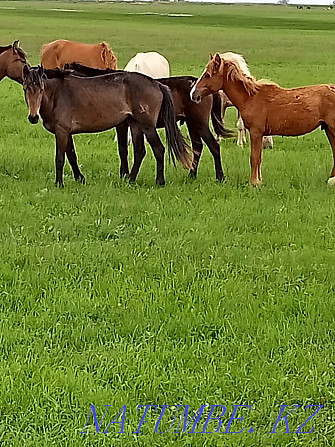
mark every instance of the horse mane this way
{"type": "Point", "coordinates": [108, 56]}
{"type": "Point", "coordinates": [57, 73]}
{"type": "Point", "coordinates": [2, 49]}
{"type": "Point", "coordinates": [18, 49]}
{"type": "Point", "coordinates": [239, 71]}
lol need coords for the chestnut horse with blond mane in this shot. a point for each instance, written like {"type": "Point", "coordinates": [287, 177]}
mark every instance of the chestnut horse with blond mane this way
{"type": "Point", "coordinates": [60, 52]}
{"type": "Point", "coordinates": [268, 109]}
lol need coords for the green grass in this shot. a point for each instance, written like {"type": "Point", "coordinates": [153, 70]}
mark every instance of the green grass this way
{"type": "Point", "coordinates": [190, 294]}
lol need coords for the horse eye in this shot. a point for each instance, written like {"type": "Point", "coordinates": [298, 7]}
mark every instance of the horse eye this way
{"type": "Point", "coordinates": [207, 75]}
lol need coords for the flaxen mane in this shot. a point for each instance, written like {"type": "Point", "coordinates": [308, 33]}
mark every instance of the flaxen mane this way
{"type": "Point", "coordinates": [239, 71]}
{"type": "Point", "coordinates": [108, 56]}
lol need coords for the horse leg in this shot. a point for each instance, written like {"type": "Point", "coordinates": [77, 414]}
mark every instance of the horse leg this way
{"type": "Point", "coordinates": [256, 157]}
{"type": "Point", "coordinates": [139, 151]}
{"type": "Point", "coordinates": [197, 147]}
{"type": "Point", "coordinates": [62, 139]}
{"type": "Point", "coordinates": [72, 157]}
{"type": "Point", "coordinates": [122, 141]}
{"type": "Point", "coordinates": [214, 147]}
{"type": "Point", "coordinates": [331, 138]}
{"type": "Point", "coordinates": [158, 150]}
{"type": "Point", "coordinates": [241, 134]}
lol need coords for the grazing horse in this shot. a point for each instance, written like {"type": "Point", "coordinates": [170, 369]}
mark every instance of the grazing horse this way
{"type": "Point", "coordinates": [151, 64]}
{"type": "Point", "coordinates": [70, 105]}
{"type": "Point", "coordinates": [268, 109]}
{"type": "Point", "coordinates": [12, 61]}
{"type": "Point", "coordinates": [195, 115]}
{"type": "Point", "coordinates": [59, 52]}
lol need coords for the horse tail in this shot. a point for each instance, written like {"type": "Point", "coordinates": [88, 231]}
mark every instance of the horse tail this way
{"type": "Point", "coordinates": [216, 114]}
{"type": "Point", "coordinates": [108, 57]}
{"type": "Point", "coordinates": [177, 146]}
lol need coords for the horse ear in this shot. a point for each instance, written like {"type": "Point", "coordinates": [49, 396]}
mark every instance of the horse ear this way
{"type": "Point", "coordinates": [25, 71]}
{"type": "Point", "coordinates": [15, 46]}
{"type": "Point", "coordinates": [217, 60]}
{"type": "Point", "coordinates": [211, 55]}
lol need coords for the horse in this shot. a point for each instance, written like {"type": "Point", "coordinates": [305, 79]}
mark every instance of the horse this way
{"type": "Point", "coordinates": [59, 52]}
{"type": "Point", "coordinates": [70, 105]}
{"type": "Point", "coordinates": [196, 117]}
{"type": "Point", "coordinates": [242, 133]}
{"type": "Point", "coordinates": [268, 109]}
{"type": "Point", "coordinates": [12, 61]}
{"type": "Point", "coordinates": [151, 64]}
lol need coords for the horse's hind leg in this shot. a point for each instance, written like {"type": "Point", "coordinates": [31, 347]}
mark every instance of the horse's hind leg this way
{"type": "Point", "coordinates": [122, 141]}
{"type": "Point", "coordinates": [72, 157]}
{"type": "Point", "coordinates": [197, 147]}
{"type": "Point", "coordinates": [62, 139]}
{"type": "Point", "coordinates": [139, 151]}
{"type": "Point", "coordinates": [158, 150]}
{"type": "Point", "coordinates": [214, 147]}
{"type": "Point", "coordinates": [330, 132]}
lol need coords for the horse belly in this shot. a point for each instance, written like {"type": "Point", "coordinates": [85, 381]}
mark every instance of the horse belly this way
{"type": "Point", "coordinates": [292, 121]}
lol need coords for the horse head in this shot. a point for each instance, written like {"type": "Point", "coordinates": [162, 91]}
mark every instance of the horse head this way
{"type": "Point", "coordinates": [13, 59]}
{"type": "Point", "coordinates": [210, 81]}
{"type": "Point", "coordinates": [33, 86]}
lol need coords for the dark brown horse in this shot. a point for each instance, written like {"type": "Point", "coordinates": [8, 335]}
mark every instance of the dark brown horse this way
{"type": "Point", "coordinates": [70, 105]}
{"type": "Point", "coordinates": [195, 115]}
{"type": "Point", "coordinates": [12, 61]}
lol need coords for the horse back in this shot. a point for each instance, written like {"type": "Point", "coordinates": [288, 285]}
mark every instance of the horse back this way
{"type": "Point", "coordinates": [60, 52]}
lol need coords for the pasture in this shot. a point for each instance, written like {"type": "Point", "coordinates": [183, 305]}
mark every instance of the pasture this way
{"type": "Point", "coordinates": [195, 293]}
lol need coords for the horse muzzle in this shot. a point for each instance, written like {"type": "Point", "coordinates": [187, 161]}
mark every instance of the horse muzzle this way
{"type": "Point", "coordinates": [33, 119]}
{"type": "Point", "coordinates": [195, 96]}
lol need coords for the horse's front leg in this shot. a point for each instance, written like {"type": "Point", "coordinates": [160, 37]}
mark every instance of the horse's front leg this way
{"type": "Point", "coordinates": [256, 156]}
{"type": "Point", "coordinates": [122, 141]}
{"type": "Point", "coordinates": [72, 157]}
{"type": "Point", "coordinates": [62, 138]}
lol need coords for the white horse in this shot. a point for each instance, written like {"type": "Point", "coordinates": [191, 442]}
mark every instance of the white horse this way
{"type": "Point", "coordinates": [242, 133]}
{"type": "Point", "coordinates": [151, 64]}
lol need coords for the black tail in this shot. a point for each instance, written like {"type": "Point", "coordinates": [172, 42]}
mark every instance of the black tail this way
{"type": "Point", "coordinates": [217, 121]}
{"type": "Point", "coordinates": [177, 146]}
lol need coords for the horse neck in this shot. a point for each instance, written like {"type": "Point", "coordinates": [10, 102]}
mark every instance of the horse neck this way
{"type": "Point", "coordinates": [51, 89]}
{"type": "Point", "coordinates": [3, 65]}
{"type": "Point", "coordinates": [235, 91]}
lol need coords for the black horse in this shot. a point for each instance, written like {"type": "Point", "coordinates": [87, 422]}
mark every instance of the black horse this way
{"type": "Point", "coordinates": [70, 105]}
{"type": "Point", "coordinates": [195, 115]}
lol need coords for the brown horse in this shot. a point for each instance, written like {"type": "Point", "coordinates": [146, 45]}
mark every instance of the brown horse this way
{"type": "Point", "coordinates": [59, 52]}
{"type": "Point", "coordinates": [12, 61]}
{"type": "Point", "coordinates": [196, 117]}
{"type": "Point", "coordinates": [70, 105]}
{"type": "Point", "coordinates": [268, 109]}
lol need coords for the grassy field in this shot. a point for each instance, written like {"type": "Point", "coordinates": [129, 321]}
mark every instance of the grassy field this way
{"type": "Point", "coordinates": [196, 293]}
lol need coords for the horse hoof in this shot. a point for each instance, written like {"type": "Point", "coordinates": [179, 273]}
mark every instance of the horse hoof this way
{"type": "Point", "coordinates": [331, 181]}
{"type": "Point", "coordinates": [256, 184]}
